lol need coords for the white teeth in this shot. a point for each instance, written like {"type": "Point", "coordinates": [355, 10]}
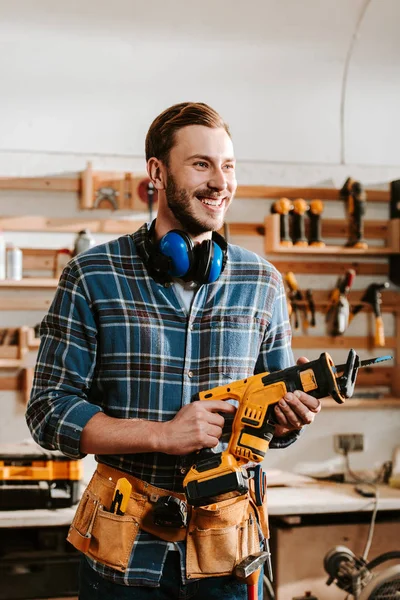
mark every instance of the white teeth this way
{"type": "Point", "coordinates": [211, 202]}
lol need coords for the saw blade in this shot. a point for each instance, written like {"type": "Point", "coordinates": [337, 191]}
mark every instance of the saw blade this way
{"type": "Point", "coordinates": [364, 363]}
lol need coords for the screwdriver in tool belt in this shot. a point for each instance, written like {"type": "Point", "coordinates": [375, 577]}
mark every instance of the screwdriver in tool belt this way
{"type": "Point", "coordinates": [121, 496]}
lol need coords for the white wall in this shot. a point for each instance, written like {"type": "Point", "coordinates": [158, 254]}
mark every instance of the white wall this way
{"type": "Point", "coordinates": [311, 90]}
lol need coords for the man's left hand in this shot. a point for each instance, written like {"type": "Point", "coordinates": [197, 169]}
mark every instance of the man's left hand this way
{"type": "Point", "coordinates": [295, 409]}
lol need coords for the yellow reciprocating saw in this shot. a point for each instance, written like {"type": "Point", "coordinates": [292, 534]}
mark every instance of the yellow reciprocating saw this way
{"type": "Point", "coordinates": [213, 474]}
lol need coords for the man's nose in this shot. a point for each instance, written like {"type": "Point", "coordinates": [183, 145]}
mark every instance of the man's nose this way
{"type": "Point", "coordinates": [217, 180]}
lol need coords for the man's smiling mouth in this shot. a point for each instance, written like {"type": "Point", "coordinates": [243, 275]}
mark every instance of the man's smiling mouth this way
{"type": "Point", "coordinates": [215, 202]}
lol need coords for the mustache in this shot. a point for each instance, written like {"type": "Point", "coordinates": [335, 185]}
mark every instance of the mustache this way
{"type": "Point", "coordinates": [209, 194]}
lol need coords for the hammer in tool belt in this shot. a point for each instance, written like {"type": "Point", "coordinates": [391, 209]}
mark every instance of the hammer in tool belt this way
{"type": "Point", "coordinates": [338, 313]}
{"type": "Point", "coordinates": [314, 213]}
{"type": "Point", "coordinates": [355, 196]}
{"type": "Point", "coordinates": [282, 207]}
{"type": "Point", "coordinates": [373, 297]}
{"type": "Point", "coordinates": [298, 229]}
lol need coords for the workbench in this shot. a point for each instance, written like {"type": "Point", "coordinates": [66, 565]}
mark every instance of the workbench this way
{"type": "Point", "coordinates": [307, 520]}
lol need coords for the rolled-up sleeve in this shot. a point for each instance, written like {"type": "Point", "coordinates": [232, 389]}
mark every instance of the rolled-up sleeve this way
{"type": "Point", "coordinates": [58, 408]}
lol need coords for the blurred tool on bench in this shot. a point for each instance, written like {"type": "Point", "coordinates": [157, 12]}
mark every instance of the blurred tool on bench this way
{"type": "Point", "coordinates": [354, 195]}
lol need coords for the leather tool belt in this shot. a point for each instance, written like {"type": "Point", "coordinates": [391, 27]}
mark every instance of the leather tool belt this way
{"type": "Point", "coordinates": [218, 536]}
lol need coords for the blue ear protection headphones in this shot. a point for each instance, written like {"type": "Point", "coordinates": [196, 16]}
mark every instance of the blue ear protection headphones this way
{"type": "Point", "coordinates": [175, 255]}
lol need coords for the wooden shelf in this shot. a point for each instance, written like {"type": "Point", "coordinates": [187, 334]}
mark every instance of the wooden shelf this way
{"type": "Point", "coordinates": [75, 185]}
{"type": "Point", "coordinates": [273, 245]}
{"type": "Point", "coordinates": [33, 282]}
{"type": "Point", "coordinates": [354, 403]}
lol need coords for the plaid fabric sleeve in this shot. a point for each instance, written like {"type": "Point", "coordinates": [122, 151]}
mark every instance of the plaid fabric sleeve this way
{"type": "Point", "coordinates": [276, 352]}
{"type": "Point", "coordinates": [58, 408]}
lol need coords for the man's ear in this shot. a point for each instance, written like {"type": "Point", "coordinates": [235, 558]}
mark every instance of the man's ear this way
{"type": "Point", "coordinates": [156, 171]}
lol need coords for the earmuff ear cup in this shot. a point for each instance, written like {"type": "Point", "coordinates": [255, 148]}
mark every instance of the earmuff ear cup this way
{"type": "Point", "coordinates": [179, 248]}
{"type": "Point", "coordinates": [216, 263]}
{"type": "Point", "coordinates": [210, 258]}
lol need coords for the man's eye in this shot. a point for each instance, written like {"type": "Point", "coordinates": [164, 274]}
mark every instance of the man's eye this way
{"type": "Point", "coordinates": [201, 164]}
{"type": "Point", "coordinates": [229, 166]}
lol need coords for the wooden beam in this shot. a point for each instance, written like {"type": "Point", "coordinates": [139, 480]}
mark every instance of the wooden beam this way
{"type": "Point", "coordinates": [19, 301]}
{"type": "Point", "coordinates": [390, 300]}
{"type": "Point", "coordinates": [52, 184]}
{"type": "Point", "coordinates": [38, 223]}
{"type": "Point", "coordinates": [74, 184]}
{"type": "Point", "coordinates": [9, 382]}
{"type": "Point", "coordinates": [329, 343]}
{"type": "Point", "coordinates": [329, 268]}
{"type": "Point", "coordinates": [354, 403]}
{"type": "Point", "coordinates": [33, 282]}
{"type": "Point", "coordinates": [271, 192]}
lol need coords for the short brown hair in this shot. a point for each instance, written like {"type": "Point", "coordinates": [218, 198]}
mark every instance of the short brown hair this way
{"type": "Point", "coordinates": [161, 135]}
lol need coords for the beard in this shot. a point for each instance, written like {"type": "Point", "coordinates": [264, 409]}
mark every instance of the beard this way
{"type": "Point", "coordinates": [180, 204]}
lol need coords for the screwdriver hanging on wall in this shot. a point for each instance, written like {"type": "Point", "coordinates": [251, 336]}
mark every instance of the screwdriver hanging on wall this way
{"type": "Point", "coordinates": [298, 222]}
{"type": "Point", "coordinates": [282, 207]}
{"type": "Point", "coordinates": [355, 196]}
{"type": "Point", "coordinates": [314, 213]}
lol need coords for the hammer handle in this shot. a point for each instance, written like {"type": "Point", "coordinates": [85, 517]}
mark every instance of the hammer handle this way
{"type": "Point", "coordinates": [379, 333]}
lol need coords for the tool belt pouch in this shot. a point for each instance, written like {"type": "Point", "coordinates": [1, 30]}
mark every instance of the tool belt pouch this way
{"type": "Point", "coordinates": [107, 537]}
{"type": "Point", "coordinates": [220, 536]}
{"type": "Point", "coordinates": [100, 534]}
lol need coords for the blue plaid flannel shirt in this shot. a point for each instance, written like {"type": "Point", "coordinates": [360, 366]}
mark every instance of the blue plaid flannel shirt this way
{"type": "Point", "coordinates": [116, 341]}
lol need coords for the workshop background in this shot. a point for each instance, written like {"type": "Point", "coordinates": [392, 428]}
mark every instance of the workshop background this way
{"type": "Point", "coordinates": [311, 91]}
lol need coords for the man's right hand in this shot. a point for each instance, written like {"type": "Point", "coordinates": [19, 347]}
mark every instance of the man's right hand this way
{"type": "Point", "coordinates": [195, 426]}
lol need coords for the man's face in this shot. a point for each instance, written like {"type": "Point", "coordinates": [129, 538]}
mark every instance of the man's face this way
{"type": "Point", "coordinates": [201, 179]}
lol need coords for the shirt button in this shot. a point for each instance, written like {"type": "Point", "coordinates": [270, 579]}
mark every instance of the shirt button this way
{"type": "Point", "coordinates": [190, 373]}
{"type": "Point", "coordinates": [190, 326]}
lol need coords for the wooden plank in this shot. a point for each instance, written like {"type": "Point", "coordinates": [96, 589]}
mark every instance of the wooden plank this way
{"type": "Point", "coordinates": [39, 223]}
{"type": "Point", "coordinates": [272, 244]}
{"type": "Point", "coordinates": [363, 403]}
{"type": "Point", "coordinates": [270, 192]}
{"type": "Point", "coordinates": [330, 268]}
{"type": "Point", "coordinates": [9, 382]}
{"type": "Point", "coordinates": [38, 259]}
{"type": "Point", "coordinates": [396, 374]}
{"type": "Point", "coordinates": [331, 228]}
{"type": "Point", "coordinates": [329, 343]}
{"type": "Point", "coordinates": [9, 363]}
{"type": "Point", "coordinates": [390, 300]}
{"type": "Point", "coordinates": [34, 282]}
{"type": "Point", "coordinates": [53, 184]}
{"type": "Point", "coordinates": [31, 302]}
{"type": "Point", "coordinates": [337, 228]}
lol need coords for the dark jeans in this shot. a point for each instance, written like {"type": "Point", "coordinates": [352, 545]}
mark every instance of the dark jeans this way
{"type": "Point", "coordinates": [94, 587]}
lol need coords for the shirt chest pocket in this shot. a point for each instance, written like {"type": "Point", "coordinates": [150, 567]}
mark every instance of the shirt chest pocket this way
{"type": "Point", "coordinates": [235, 344]}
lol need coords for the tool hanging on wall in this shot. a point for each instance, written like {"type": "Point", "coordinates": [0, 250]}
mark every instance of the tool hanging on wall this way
{"type": "Point", "coordinates": [298, 222]}
{"type": "Point", "coordinates": [394, 259]}
{"type": "Point", "coordinates": [115, 190]}
{"type": "Point", "coordinates": [338, 313]}
{"type": "Point", "coordinates": [355, 196]}
{"type": "Point", "coordinates": [314, 213]}
{"type": "Point", "coordinates": [282, 207]}
{"type": "Point", "coordinates": [311, 307]}
{"type": "Point", "coordinates": [373, 297]}
{"type": "Point", "coordinates": [295, 297]}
